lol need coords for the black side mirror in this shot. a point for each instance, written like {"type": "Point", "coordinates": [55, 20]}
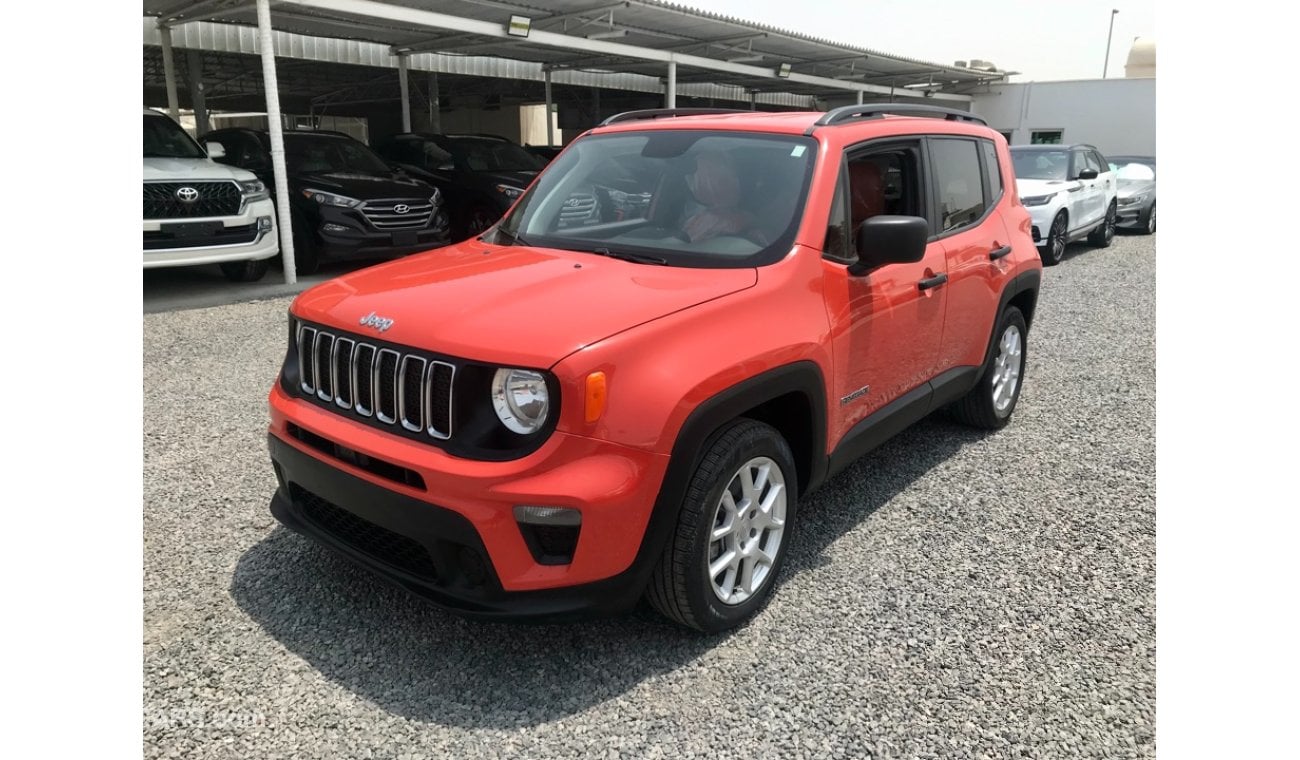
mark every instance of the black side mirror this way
{"type": "Point", "coordinates": [1088, 174]}
{"type": "Point", "coordinates": [889, 239]}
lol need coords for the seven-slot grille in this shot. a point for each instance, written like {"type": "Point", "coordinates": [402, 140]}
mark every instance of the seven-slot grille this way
{"type": "Point", "coordinates": [398, 214]}
{"type": "Point", "coordinates": [214, 199]}
{"type": "Point", "coordinates": [379, 383]}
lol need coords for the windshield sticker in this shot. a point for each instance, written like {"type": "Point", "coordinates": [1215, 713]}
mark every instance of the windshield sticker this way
{"type": "Point", "coordinates": [797, 152]}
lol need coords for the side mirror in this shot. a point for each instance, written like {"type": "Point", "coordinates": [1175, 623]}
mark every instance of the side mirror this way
{"type": "Point", "coordinates": [889, 239]}
{"type": "Point", "coordinates": [1088, 174]}
{"type": "Point", "coordinates": [215, 150]}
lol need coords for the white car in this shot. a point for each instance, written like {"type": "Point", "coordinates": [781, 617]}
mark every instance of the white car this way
{"type": "Point", "coordinates": [197, 211]}
{"type": "Point", "coordinates": [1069, 191]}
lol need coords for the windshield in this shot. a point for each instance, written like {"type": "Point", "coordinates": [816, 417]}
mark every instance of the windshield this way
{"type": "Point", "coordinates": [1130, 171]}
{"type": "Point", "coordinates": [1041, 164]}
{"type": "Point", "coordinates": [483, 154]}
{"type": "Point", "coordinates": [678, 197]}
{"type": "Point", "coordinates": [322, 154]}
{"type": "Point", "coordinates": [164, 138]}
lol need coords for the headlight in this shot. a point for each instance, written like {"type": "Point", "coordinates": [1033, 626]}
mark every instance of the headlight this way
{"type": "Point", "coordinates": [521, 399]}
{"type": "Point", "coordinates": [1038, 200]}
{"type": "Point", "coordinates": [1130, 200]}
{"type": "Point", "coordinates": [330, 199]}
{"type": "Point", "coordinates": [510, 191]}
{"type": "Point", "coordinates": [254, 190]}
{"type": "Point", "coordinates": [436, 198]}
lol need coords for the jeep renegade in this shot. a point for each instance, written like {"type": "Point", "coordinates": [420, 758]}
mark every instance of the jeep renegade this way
{"type": "Point", "coordinates": [558, 418]}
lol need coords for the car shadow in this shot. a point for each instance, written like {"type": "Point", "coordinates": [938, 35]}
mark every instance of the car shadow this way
{"type": "Point", "coordinates": [419, 662]}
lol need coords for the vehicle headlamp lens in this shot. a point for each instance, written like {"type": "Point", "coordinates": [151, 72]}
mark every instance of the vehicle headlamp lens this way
{"type": "Point", "coordinates": [1037, 200]}
{"type": "Point", "coordinates": [510, 191]}
{"type": "Point", "coordinates": [521, 399]}
{"type": "Point", "coordinates": [330, 199]}
{"type": "Point", "coordinates": [254, 190]}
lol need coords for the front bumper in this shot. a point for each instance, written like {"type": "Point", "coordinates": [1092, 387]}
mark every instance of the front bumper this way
{"type": "Point", "coordinates": [1133, 216]}
{"type": "Point", "coordinates": [469, 553]}
{"type": "Point", "coordinates": [347, 238]}
{"type": "Point", "coordinates": [1041, 220]}
{"type": "Point", "coordinates": [263, 245]}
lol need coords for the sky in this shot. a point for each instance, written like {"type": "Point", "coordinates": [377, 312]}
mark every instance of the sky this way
{"type": "Point", "coordinates": [1042, 39]}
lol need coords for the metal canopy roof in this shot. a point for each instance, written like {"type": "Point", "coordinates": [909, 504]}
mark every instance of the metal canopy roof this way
{"type": "Point", "coordinates": [639, 37]}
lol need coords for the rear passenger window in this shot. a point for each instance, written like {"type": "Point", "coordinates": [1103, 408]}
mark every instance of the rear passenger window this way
{"type": "Point", "coordinates": [961, 184]}
{"type": "Point", "coordinates": [992, 169]}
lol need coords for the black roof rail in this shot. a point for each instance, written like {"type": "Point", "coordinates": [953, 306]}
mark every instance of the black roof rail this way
{"type": "Point", "coordinates": [657, 113]}
{"type": "Point", "coordinates": [877, 110]}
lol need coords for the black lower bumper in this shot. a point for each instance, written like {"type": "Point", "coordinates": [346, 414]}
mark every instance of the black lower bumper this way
{"type": "Point", "coordinates": [433, 552]}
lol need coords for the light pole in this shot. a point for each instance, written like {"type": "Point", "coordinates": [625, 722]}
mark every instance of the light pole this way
{"type": "Point", "coordinates": [1106, 66]}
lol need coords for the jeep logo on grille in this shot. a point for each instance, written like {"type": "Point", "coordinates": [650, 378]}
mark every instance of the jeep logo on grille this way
{"type": "Point", "coordinates": [379, 323]}
{"type": "Point", "coordinates": [401, 208]}
{"type": "Point", "coordinates": [187, 194]}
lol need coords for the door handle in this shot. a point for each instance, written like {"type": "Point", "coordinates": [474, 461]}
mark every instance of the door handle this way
{"type": "Point", "coordinates": [933, 282]}
{"type": "Point", "coordinates": [998, 253]}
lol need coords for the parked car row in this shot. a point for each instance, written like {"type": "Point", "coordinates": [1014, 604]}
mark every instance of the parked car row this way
{"type": "Point", "coordinates": [1072, 192]}
{"type": "Point", "coordinates": [215, 202]}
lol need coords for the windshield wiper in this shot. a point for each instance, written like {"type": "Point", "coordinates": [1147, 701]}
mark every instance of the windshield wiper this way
{"type": "Point", "coordinates": [626, 256]}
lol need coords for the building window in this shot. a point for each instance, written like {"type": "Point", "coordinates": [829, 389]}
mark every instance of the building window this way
{"type": "Point", "coordinates": [1007, 135]}
{"type": "Point", "coordinates": [1046, 136]}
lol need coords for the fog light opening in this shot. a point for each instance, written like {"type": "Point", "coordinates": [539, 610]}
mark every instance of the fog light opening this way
{"type": "Point", "coordinates": [263, 224]}
{"type": "Point", "coordinates": [333, 227]}
{"type": "Point", "coordinates": [551, 533]}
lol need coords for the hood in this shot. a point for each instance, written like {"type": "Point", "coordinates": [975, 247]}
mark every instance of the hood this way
{"type": "Point", "coordinates": [1029, 188]}
{"type": "Point", "coordinates": [511, 305]}
{"type": "Point", "coordinates": [520, 180]}
{"type": "Point", "coordinates": [191, 170]}
{"type": "Point", "coordinates": [365, 186]}
{"type": "Point", "coordinates": [1129, 187]}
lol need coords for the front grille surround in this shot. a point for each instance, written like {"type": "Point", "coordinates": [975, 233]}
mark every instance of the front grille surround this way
{"type": "Point", "coordinates": [382, 214]}
{"type": "Point", "coordinates": [389, 386]}
{"type": "Point", "coordinates": [217, 198]}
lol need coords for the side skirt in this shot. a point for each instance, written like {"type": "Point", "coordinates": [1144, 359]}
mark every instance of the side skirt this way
{"type": "Point", "coordinates": [902, 413]}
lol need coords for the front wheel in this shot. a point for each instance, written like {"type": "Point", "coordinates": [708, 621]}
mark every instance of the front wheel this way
{"type": "Point", "coordinates": [722, 560]}
{"type": "Point", "coordinates": [1102, 236]}
{"type": "Point", "coordinates": [1150, 229]}
{"type": "Point", "coordinates": [990, 403]}
{"type": "Point", "coordinates": [1054, 250]}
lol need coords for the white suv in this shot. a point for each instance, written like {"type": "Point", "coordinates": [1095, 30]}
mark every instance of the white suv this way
{"type": "Point", "coordinates": [1070, 192]}
{"type": "Point", "coordinates": [197, 211]}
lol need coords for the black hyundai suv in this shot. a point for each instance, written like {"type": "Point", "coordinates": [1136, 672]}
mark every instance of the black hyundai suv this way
{"type": "Point", "coordinates": [480, 175]}
{"type": "Point", "coordinates": [346, 202]}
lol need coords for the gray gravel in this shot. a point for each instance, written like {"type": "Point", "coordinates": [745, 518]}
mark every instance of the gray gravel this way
{"type": "Point", "coordinates": [952, 595]}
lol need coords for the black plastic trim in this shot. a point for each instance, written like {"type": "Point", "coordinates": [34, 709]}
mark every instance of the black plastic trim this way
{"type": "Point", "coordinates": [659, 113]}
{"type": "Point", "coordinates": [837, 116]}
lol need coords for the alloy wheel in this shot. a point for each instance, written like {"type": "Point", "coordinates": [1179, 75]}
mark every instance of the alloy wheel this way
{"type": "Point", "coordinates": [747, 529]}
{"type": "Point", "coordinates": [1151, 221]}
{"type": "Point", "coordinates": [1006, 369]}
{"type": "Point", "coordinates": [1056, 238]}
{"type": "Point", "coordinates": [1110, 223]}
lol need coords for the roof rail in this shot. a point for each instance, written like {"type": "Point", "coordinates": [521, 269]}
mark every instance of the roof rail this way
{"type": "Point", "coordinates": [876, 110]}
{"type": "Point", "coordinates": [657, 113]}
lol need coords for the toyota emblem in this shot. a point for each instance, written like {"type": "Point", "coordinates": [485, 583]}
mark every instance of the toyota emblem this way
{"type": "Point", "coordinates": [401, 208]}
{"type": "Point", "coordinates": [187, 194]}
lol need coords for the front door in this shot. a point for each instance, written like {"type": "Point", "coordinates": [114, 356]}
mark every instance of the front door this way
{"type": "Point", "coordinates": [887, 324]}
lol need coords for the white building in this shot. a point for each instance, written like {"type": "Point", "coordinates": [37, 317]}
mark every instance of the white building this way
{"type": "Point", "coordinates": [1116, 115]}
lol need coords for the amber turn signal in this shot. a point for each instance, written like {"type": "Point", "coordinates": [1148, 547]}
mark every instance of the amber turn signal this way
{"type": "Point", "coordinates": [595, 396]}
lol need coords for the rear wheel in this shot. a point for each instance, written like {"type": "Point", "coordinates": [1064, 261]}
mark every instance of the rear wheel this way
{"type": "Point", "coordinates": [722, 560]}
{"type": "Point", "coordinates": [1102, 236]}
{"type": "Point", "coordinates": [990, 403]}
{"type": "Point", "coordinates": [1054, 249]}
{"type": "Point", "coordinates": [245, 271]}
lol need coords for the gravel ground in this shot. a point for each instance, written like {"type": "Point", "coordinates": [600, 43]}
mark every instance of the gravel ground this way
{"type": "Point", "coordinates": [952, 595]}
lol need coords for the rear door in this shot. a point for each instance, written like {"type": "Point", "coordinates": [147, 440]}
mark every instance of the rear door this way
{"type": "Point", "coordinates": [969, 182]}
{"type": "Point", "coordinates": [886, 325]}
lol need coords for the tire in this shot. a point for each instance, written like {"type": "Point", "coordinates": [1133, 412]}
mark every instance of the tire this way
{"type": "Point", "coordinates": [245, 271]}
{"type": "Point", "coordinates": [1150, 228]}
{"type": "Point", "coordinates": [479, 219]}
{"type": "Point", "coordinates": [306, 254]}
{"type": "Point", "coordinates": [1102, 236]}
{"type": "Point", "coordinates": [1054, 250]}
{"type": "Point", "coordinates": [988, 405]}
{"type": "Point", "coordinates": [681, 586]}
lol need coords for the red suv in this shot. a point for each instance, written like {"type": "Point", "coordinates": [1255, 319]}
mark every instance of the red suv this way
{"type": "Point", "coordinates": [591, 403]}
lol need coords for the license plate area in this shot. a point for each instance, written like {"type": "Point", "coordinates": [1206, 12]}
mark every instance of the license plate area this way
{"type": "Point", "coordinates": [190, 230]}
{"type": "Point", "coordinates": [402, 238]}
